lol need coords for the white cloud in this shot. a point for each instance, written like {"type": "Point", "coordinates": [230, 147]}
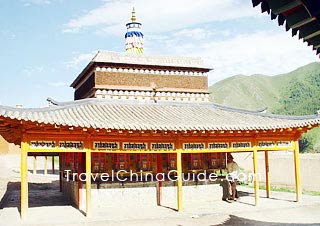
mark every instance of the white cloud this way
{"type": "Point", "coordinates": [194, 33]}
{"type": "Point", "coordinates": [160, 16]}
{"type": "Point", "coordinates": [33, 71]}
{"type": "Point", "coordinates": [36, 2]}
{"type": "Point", "coordinates": [263, 52]}
{"type": "Point", "coordinates": [80, 60]}
{"type": "Point", "coordinates": [186, 28]}
{"type": "Point", "coordinates": [7, 34]}
{"type": "Point", "coordinates": [58, 84]}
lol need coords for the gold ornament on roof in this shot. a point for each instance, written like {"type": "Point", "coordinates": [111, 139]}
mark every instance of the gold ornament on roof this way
{"type": "Point", "coordinates": [133, 17]}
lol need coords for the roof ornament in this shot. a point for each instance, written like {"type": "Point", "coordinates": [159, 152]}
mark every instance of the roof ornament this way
{"type": "Point", "coordinates": [52, 102]}
{"type": "Point", "coordinates": [133, 17]}
{"type": "Point", "coordinates": [134, 36]}
{"type": "Point", "coordinates": [154, 90]}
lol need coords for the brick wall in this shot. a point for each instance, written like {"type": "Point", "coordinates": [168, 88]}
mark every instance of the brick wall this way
{"type": "Point", "coordinates": [145, 80]}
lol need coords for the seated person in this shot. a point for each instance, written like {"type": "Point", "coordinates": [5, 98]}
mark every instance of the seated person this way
{"type": "Point", "coordinates": [233, 172]}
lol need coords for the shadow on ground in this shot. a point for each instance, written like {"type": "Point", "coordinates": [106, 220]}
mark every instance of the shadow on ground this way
{"type": "Point", "coordinates": [225, 190]}
{"type": "Point", "coordinates": [40, 194]}
{"type": "Point", "coordinates": [236, 221]}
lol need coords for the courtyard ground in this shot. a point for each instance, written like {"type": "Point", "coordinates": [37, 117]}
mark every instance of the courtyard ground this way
{"type": "Point", "coordinates": [202, 205]}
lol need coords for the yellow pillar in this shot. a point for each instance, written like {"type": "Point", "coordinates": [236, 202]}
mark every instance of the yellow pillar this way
{"type": "Point", "coordinates": [297, 171]}
{"type": "Point", "coordinates": [159, 183]}
{"type": "Point", "coordinates": [256, 178]}
{"type": "Point", "coordinates": [24, 180]}
{"type": "Point", "coordinates": [45, 165]}
{"type": "Point", "coordinates": [88, 184]}
{"type": "Point", "coordinates": [179, 174]}
{"type": "Point", "coordinates": [34, 164]}
{"type": "Point", "coordinates": [268, 186]}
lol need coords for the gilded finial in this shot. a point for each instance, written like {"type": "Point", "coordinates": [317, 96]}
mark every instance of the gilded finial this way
{"type": "Point", "coordinates": [133, 18]}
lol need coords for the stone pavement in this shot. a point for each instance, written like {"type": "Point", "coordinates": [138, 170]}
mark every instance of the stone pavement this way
{"type": "Point", "coordinates": [202, 205]}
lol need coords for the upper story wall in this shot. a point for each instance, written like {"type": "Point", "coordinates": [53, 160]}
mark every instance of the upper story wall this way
{"type": "Point", "coordinates": [122, 76]}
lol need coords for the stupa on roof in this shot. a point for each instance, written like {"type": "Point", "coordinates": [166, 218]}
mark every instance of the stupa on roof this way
{"type": "Point", "coordinates": [131, 75]}
{"type": "Point", "coordinates": [148, 115]}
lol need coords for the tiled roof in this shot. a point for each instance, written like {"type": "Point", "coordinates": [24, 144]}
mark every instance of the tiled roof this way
{"type": "Point", "coordinates": [127, 58]}
{"type": "Point", "coordinates": [96, 113]}
{"type": "Point", "coordinates": [135, 61]}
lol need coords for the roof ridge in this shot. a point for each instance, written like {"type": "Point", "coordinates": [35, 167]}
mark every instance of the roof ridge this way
{"type": "Point", "coordinates": [135, 115]}
{"type": "Point", "coordinates": [223, 107]}
{"type": "Point", "coordinates": [262, 112]}
{"type": "Point", "coordinates": [258, 112]}
{"type": "Point", "coordinates": [56, 105]}
{"type": "Point", "coordinates": [115, 53]}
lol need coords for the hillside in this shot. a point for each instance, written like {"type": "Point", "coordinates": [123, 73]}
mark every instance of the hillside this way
{"type": "Point", "coordinates": [294, 93]}
{"type": "Point", "coordinates": [258, 91]}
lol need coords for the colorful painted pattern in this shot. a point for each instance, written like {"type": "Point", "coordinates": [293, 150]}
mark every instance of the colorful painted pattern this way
{"type": "Point", "coordinates": [134, 36]}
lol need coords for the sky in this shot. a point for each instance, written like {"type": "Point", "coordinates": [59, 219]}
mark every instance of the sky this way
{"type": "Point", "coordinates": [45, 44]}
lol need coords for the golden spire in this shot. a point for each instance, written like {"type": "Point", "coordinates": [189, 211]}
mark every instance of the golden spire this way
{"type": "Point", "coordinates": [133, 18]}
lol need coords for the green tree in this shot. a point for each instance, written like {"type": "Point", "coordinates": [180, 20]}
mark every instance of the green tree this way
{"type": "Point", "coordinates": [302, 97]}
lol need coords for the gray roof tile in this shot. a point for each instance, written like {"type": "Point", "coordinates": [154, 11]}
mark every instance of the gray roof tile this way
{"type": "Point", "coordinates": [96, 113]}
